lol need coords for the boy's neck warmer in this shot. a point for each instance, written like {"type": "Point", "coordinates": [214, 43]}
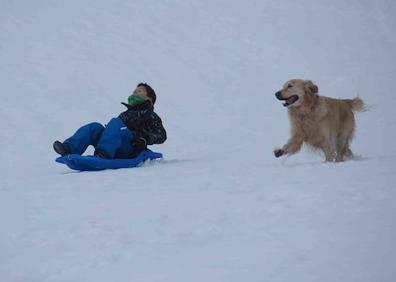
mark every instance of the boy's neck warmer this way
{"type": "Point", "coordinates": [134, 100]}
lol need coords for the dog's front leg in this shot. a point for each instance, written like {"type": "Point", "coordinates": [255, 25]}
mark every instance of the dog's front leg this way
{"type": "Point", "coordinates": [293, 145]}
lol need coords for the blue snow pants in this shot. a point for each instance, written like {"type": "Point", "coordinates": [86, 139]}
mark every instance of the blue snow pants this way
{"type": "Point", "coordinates": [115, 139]}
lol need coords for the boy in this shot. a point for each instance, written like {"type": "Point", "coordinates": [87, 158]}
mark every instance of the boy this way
{"type": "Point", "coordinates": [124, 136]}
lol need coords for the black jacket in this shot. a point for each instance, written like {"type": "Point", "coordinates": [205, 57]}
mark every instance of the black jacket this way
{"type": "Point", "coordinates": [144, 122]}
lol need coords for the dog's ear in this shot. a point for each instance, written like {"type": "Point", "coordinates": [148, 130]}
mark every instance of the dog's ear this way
{"type": "Point", "coordinates": [310, 87]}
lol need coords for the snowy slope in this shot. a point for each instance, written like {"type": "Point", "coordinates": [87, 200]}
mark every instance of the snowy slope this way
{"type": "Point", "coordinates": [219, 207]}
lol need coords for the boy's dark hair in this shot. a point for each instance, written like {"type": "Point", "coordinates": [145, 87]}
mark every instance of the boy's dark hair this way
{"type": "Point", "coordinates": [150, 91]}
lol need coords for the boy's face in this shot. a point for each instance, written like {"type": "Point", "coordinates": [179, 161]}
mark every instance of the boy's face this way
{"type": "Point", "coordinates": [141, 91]}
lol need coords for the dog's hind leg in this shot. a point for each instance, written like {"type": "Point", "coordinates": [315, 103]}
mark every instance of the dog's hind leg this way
{"type": "Point", "coordinates": [343, 150]}
{"type": "Point", "coordinates": [348, 153]}
{"type": "Point", "coordinates": [330, 148]}
{"type": "Point", "coordinates": [330, 153]}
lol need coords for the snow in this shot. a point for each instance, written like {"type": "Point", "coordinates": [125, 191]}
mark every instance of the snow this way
{"type": "Point", "coordinates": [219, 207]}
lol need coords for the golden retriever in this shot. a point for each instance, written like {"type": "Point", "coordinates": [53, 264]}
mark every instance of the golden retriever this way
{"type": "Point", "coordinates": [324, 123]}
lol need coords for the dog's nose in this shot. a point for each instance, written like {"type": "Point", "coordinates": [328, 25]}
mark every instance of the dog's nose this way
{"type": "Point", "coordinates": [278, 95]}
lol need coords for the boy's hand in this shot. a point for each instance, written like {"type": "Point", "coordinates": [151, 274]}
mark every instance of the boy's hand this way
{"type": "Point", "coordinates": [139, 144]}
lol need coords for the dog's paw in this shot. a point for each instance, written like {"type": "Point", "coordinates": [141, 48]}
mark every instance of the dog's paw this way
{"type": "Point", "coordinates": [278, 152]}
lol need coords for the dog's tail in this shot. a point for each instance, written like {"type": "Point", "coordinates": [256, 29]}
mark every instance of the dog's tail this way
{"type": "Point", "coordinates": [356, 104]}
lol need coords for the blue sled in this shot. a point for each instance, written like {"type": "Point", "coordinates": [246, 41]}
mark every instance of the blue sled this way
{"type": "Point", "coordinates": [91, 163]}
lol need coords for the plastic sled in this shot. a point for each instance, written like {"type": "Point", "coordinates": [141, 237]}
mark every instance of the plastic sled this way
{"type": "Point", "coordinates": [91, 163]}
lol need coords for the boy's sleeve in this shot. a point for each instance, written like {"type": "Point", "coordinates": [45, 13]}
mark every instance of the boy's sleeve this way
{"type": "Point", "coordinates": [154, 132]}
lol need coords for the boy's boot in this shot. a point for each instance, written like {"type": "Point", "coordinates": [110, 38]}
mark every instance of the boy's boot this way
{"type": "Point", "coordinates": [61, 148]}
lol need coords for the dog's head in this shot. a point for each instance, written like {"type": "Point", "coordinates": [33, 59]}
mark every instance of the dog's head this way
{"type": "Point", "coordinates": [297, 92]}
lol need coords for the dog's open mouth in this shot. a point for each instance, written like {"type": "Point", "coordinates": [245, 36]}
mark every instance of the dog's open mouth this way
{"type": "Point", "coordinates": [289, 101]}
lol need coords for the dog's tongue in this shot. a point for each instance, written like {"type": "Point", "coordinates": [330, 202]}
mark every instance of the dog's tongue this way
{"type": "Point", "coordinates": [290, 100]}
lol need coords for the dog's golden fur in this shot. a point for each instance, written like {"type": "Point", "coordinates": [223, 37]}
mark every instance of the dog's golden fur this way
{"type": "Point", "coordinates": [324, 123]}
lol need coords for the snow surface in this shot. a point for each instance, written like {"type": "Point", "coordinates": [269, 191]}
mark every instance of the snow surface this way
{"type": "Point", "coordinates": [219, 207]}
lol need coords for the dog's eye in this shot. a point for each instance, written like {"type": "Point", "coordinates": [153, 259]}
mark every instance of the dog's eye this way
{"type": "Point", "coordinates": [289, 86]}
